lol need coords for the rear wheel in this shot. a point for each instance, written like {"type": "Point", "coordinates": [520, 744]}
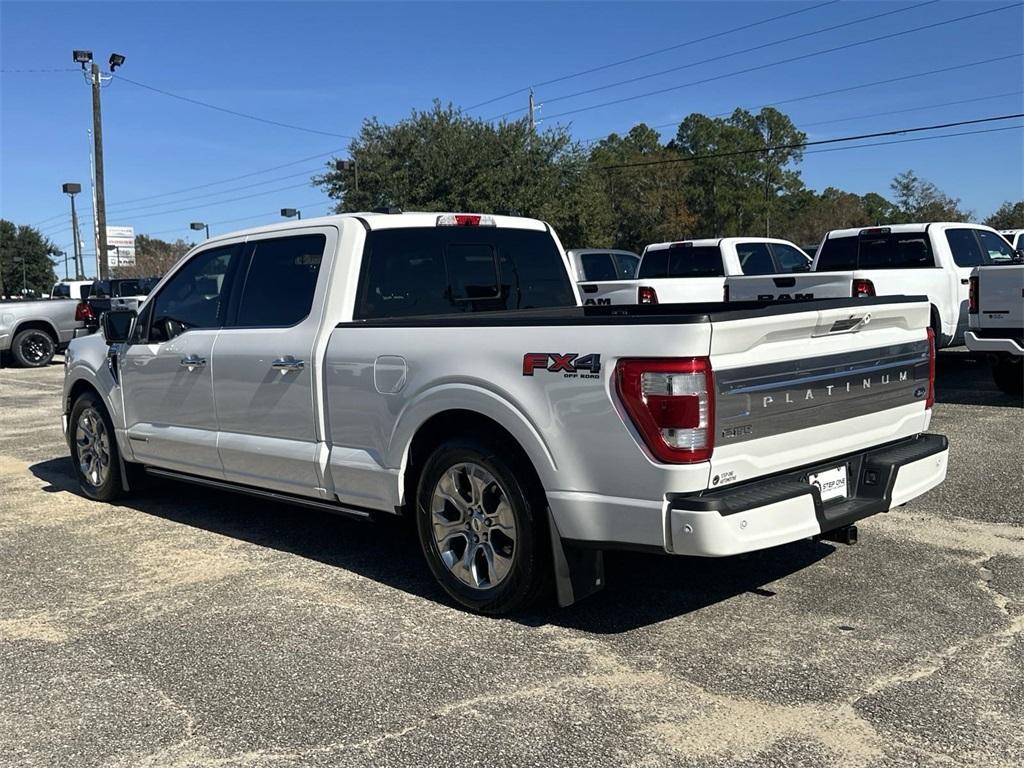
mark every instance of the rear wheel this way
{"type": "Point", "coordinates": [1008, 373]}
{"type": "Point", "coordinates": [33, 348]}
{"type": "Point", "coordinates": [482, 528]}
{"type": "Point", "coordinates": [94, 449]}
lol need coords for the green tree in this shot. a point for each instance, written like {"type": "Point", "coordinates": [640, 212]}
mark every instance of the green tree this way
{"type": "Point", "coordinates": [919, 200]}
{"type": "Point", "coordinates": [25, 260]}
{"type": "Point", "coordinates": [441, 159]}
{"type": "Point", "coordinates": [641, 204]}
{"type": "Point", "coordinates": [153, 257]}
{"type": "Point", "coordinates": [805, 216]}
{"type": "Point", "coordinates": [1007, 216]}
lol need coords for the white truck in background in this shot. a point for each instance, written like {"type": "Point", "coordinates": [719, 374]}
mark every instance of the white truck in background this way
{"type": "Point", "coordinates": [439, 367]}
{"type": "Point", "coordinates": [996, 312]}
{"type": "Point", "coordinates": [697, 271]}
{"type": "Point", "coordinates": [933, 260]}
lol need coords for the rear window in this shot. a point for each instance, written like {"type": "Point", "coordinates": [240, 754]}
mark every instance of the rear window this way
{"type": "Point", "coordinates": [691, 261]}
{"type": "Point", "coordinates": [906, 250]}
{"type": "Point", "coordinates": [128, 288]}
{"type": "Point", "coordinates": [61, 291]}
{"type": "Point", "coordinates": [453, 270]}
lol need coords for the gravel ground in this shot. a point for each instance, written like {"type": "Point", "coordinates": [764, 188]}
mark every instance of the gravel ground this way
{"type": "Point", "coordinates": [193, 628]}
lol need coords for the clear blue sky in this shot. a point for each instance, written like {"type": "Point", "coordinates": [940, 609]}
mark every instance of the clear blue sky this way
{"type": "Point", "coordinates": [327, 66]}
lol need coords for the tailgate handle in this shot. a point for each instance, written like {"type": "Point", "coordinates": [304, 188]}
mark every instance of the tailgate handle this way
{"type": "Point", "coordinates": [590, 289]}
{"type": "Point", "coordinates": [785, 282]}
{"type": "Point", "coordinates": [964, 280]}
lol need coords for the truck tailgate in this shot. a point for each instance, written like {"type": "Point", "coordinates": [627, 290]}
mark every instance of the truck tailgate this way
{"type": "Point", "coordinates": [611, 292]}
{"type": "Point", "coordinates": [794, 387]}
{"type": "Point", "coordinates": [800, 286]}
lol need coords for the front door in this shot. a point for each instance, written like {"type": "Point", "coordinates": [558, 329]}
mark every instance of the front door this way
{"type": "Point", "coordinates": [166, 372]}
{"type": "Point", "coordinates": [265, 364]}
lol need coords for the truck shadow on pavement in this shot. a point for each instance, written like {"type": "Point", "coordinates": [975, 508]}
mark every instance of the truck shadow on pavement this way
{"type": "Point", "coordinates": [642, 589]}
{"type": "Point", "coordinates": [963, 378]}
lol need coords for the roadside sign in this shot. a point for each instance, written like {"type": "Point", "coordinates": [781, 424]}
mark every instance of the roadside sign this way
{"type": "Point", "coordinates": [121, 244]}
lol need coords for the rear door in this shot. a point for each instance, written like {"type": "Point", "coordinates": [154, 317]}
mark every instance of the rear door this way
{"type": "Point", "coordinates": [264, 367]}
{"type": "Point", "coordinates": [167, 373]}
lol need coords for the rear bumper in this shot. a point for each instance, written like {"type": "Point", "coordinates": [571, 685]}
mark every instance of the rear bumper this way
{"type": "Point", "coordinates": [767, 512]}
{"type": "Point", "coordinates": [785, 508]}
{"type": "Point", "coordinates": [977, 344]}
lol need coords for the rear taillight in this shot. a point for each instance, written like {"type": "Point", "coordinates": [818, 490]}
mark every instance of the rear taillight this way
{"type": "Point", "coordinates": [671, 403]}
{"type": "Point", "coordinates": [83, 312]}
{"type": "Point", "coordinates": [862, 288]}
{"type": "Point", "coordinates": [972, 296]}
{"type": "Point", "coordinates": [646, 295]}
{"type": "Point", "coordinates": [930, 400]}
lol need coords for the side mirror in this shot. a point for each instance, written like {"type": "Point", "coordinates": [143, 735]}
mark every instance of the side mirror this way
{"type": "Point", "coordinates": [118, 325]}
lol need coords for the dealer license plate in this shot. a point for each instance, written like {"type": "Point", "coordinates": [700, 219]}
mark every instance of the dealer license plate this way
{"type": "Point", "coordinates": [831, 482]}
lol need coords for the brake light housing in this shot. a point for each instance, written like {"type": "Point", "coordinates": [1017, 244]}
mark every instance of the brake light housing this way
{"type": "Point", "coordinates": [645, 294]}
{"type": "Point", "coordinates": [465, 220]}
{"type": "Point", "coordinates": [83, 312]}
{"type": "Point", "coordinates": [671, 402]}
{"type": "Point", "coordinates": [930, 400]}
{"type": "Point", "coordinates": [972, 295]}
{"type": "Point", "coordinates": [862, 288]}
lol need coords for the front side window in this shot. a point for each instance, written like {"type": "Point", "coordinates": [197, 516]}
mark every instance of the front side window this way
{"type": "Point", "coordinates": [995, 248]}
{"type": "Point", "coordinates": [280, 279]}
{"type": "Point", "coordinates": [964, 246]}
{"type": "Point", "coordinates": [418, 271]}
{"type": "Point", "coordinates": [626, 264]}
{"type": "Point", "coordinates": [194, 297]}
{"type": "Point", "coordinates": [790, 259]}
{"type": "Point", "coordinates": [755, 259]}
{"type": "Point", "coordinates": [598, 266]}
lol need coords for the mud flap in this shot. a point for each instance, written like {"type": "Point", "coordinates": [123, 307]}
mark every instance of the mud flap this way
{"type": "Point", "coordinates": [579, 572]}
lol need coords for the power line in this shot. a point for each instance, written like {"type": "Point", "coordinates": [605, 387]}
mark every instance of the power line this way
{"type": "Point", "coordinates": [742, 52]}
{"type": "Point", "coordinates": [638, 57]}
{"type": "Point", "coordinates": [236, 113]}
{"type": "Point", "coordinates": [36, 71]}
{"type": "Point", "coordinates": [917, 138]}
{"type": "Point", "coordinates": [851, 118]}
{"type": "Point", "coordinates": [242, 218]}
{"type": "Point", "coordinates": [220, 202]}
{"type": "Point", "coordinates": [780, 62]}
{"type": "Point", "coordinates": [802, 144]}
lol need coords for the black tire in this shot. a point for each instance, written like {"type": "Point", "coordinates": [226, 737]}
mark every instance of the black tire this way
{"type": "Point", "coordinates": [530, 571]}
{"type": "Point", "coordinates": [103, 484]}
{"type": "Point", "coordinates": [1008, 373]}
{"type": "Point", "coordinates": [33, 348]}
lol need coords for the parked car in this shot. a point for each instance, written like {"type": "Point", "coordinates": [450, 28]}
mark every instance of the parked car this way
{"type": "Point", "coordinates": [32, 332]}
{"type": "Point", "coordinates": [118, 293]}
{"type": "Point", "coordinates": [697, 270]}
{"type": "Point", "coordinates": [439, 366]}
{"type": "Point", "coordinates": [996, 318]}
{"type": "Point", "coordinates": [933, 260]}
{"type": "Point", "coordinates": [603, 264]}
{"type": "Point", "coordinates": [1015, 237]}
{"type": "Point", "coordinates": [71, 289]}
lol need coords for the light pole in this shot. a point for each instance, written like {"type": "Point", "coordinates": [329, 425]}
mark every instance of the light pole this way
{"type": "Point", "coordinates": [96, 79]}
{"type": "Point", "coordinates": [197, 225]}
{"type": "Point", "coordinates": [71, 189]}
{"type": "Point", "coordinates": [65, 255]}
{"type": "Point", "coordinates": [290, 213]}
{"type": "Point", "coordinates": [24, 279]}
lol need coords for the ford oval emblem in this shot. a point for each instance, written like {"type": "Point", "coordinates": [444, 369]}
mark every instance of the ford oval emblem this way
{"type": "Point", "coordinates": [919, 392]}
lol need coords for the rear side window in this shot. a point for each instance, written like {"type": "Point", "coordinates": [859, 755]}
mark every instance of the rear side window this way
{"type": "Point", "coordinates": [906, 250]}
{"type": "Point", "coordinates": [450, 270]}
{"type": "Point", "coordinates": [686, 261]}
{"type": "Point", "coordinates": [790, 259]}
{"type": "Point", "coordinates": [598, 266]}
{"type": "Point", "coordinates": [755, 259]}
{"type": "Point", "coordinates": [279, 282]}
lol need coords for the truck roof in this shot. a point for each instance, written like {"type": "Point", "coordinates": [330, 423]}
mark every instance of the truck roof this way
{"type": "Point", "coordinates": [585, 251]}
{"type": "Point", "coordinates": [375, 220]}
{"type": "Point", "coordinates": [716, 241]}
{"type": "Point", "coordinates": [897, 228]}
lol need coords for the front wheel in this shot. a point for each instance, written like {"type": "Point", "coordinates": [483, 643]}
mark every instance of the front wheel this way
{"type": "Point", "coordinates": [33, 348]}
{"type": "Point", "coordinates": [482, 527]}
{"type": "Point", "coordinates": [94, 449]}
{"type": "Point", "coordinates": [1008, 373]}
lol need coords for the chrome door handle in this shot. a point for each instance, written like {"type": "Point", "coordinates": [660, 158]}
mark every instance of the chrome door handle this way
{"type": "Point", "coordinates": [289, 363]}
{"type": "Point", "coordinates": [192, 362]}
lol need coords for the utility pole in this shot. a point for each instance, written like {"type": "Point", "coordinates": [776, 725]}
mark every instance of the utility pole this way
{"type": "Point", "coordinates": [101, 202]}
{"type": "Point", "coordinates": [533, 122]}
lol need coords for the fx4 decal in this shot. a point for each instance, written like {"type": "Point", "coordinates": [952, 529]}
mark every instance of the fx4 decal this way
{"type": "Point", "coordinates": [570, 365]}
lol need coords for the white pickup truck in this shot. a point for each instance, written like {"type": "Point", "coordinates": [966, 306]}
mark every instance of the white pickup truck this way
{"type": "Point", "coordinates": [934, 260]}
{"type": "Point", "coordinates": [997, 322]}
{"type": "Point", "coordinates": [439, 367]}
{"type": "Point", "coordinates": [697, 270]}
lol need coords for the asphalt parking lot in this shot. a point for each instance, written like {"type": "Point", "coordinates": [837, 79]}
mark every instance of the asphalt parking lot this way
{"type": "Point", "coordinates": [193, 628]}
